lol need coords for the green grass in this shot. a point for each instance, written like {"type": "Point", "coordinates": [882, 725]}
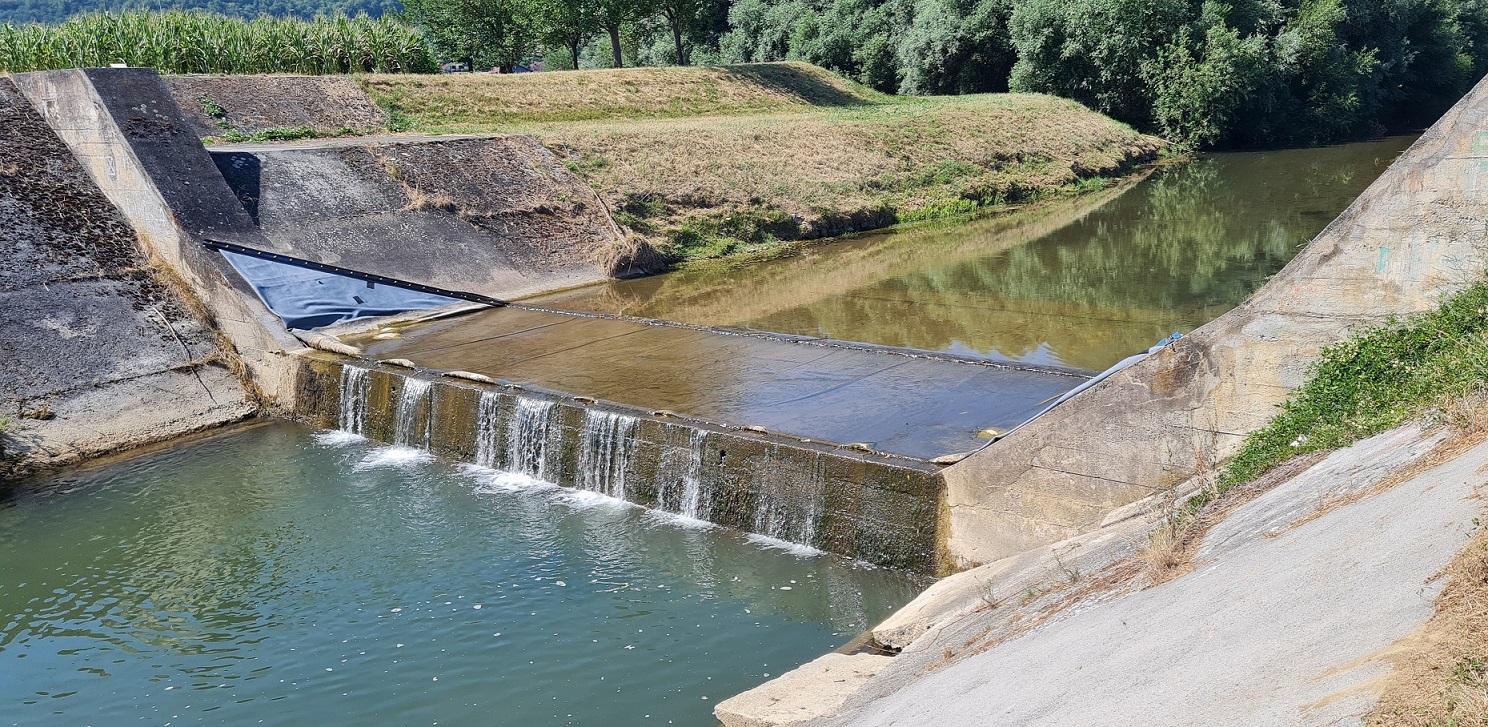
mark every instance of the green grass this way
{"type": "Point", "coordinates": [194, 41]}
{"type": "Point", "coordinates": [233, 136]}
{"type": "Point", "coordinates": [1373, 382]}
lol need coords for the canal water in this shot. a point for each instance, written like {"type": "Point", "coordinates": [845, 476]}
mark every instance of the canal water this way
{"type": "Point", "coordinates": [276, 576]}
{"type": "Point", "coordinates": [1081, 284]}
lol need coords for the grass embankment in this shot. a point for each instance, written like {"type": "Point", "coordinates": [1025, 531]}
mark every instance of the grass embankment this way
{"type": "Point", "coordinates": [705, 162]}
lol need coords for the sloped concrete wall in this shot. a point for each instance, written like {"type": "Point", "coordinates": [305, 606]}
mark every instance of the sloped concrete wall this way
{"type": "Point", "coordinates": [97, 352]}
{"type": "Point", "coordinates": [127, 133]}
{"type": "Point", "coordinates": [1415, 236]}
{"type": "Point", "coordinates": [498, 216]}
{"type": "Point", "coordinates": [213, 105]}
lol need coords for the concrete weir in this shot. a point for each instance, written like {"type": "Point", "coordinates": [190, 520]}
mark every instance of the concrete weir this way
{"type": "Point", "coordinates": [878, 509]}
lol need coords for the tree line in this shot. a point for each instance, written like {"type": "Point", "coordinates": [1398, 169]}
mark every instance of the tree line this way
{"type": "Point", "coordinates": [1237, 73]}
{"type": "Point", "coordinates": [1241, 73]}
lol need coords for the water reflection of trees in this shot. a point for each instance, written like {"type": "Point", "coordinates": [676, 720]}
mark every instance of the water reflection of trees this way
{"type": "Point", "coordinates": [1174, 252]}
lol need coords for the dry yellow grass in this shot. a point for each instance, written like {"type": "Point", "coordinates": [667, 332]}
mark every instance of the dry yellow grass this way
{"type": "Point", "coordinates": [708, 161]}
{"type": "Point", "coordinates": [474, 102]}
{"type": "Point", "coordinates": [1441, 673]}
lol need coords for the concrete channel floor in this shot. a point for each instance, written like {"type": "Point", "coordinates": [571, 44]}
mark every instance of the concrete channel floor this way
{"type": "Point", "coordinates": [918, 406]}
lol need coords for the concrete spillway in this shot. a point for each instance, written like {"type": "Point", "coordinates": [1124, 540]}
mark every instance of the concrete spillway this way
{"type": "Point", "coordinates": [878, 509]}
{"type": "Point", "coordinates": [917, 405]}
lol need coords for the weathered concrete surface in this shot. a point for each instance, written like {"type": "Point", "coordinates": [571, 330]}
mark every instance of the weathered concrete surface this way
{"type": "Point", "coordinates": [825, 392]}
{"type": "Point", "coordinates": [1011, 579]}
{"type": "Point", "coordinates": [1415, 236]}
{"type": "Point", "coordinates": [250, 104]}
{"type": "Point", "coordinates": [128, 135]}
{"type": "Point", "coordinates": [90, 333]}
{"type": "Point", "coordinates": [802, 694]}
{"type": "Point", "coordinates": [499, 216]}
{"type": "Point", "coordinates": [1296, 597]}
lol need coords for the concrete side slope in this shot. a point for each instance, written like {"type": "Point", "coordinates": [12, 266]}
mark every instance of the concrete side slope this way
{"type": "Point", "coordinates": [1298, 599]}
{"type": "Point", "coordinates": [499, 216]}
{"type": "Point", "coordinates": [97, 351]}
{"type": "Point", "coordinates": [215, 105]}
{"type": "Point", "coordinates": [126, 132]}
{"type": "Point", "coordinates": [1415, 236]}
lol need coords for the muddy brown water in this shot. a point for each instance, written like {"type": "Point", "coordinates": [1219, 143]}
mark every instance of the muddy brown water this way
{"type": "Point", "coordinates": [1082, 284]}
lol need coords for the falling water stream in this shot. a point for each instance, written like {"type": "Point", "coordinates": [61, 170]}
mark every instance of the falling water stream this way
{"type": "Point", "coordinates": [607, 441]}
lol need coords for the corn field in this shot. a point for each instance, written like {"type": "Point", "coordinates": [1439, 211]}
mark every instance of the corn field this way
{"type": "Point", "coordinates": [200, 42]}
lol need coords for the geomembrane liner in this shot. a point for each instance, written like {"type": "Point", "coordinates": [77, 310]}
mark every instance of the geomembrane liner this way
{"type": "Point", "coordinates": [306, 298]}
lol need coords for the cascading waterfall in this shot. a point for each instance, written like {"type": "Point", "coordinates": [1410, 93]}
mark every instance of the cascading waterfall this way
{"type": "Point", "coordinates": [356, 388]}
{"type": "Point", "coordinates": [527, 437]}
{"type": "Point", "coordinates": [415, 400]}
{"type": "Point", "coordinates": [488, 430]}
{"type": "Point", "coordinates": [692, 504]}
{"type": "Point", "coordinates": [787, 512]}
{"type": "Point", "coordinates": [522, 434]}
{"type": "Point", "coordinates": [605, 447]}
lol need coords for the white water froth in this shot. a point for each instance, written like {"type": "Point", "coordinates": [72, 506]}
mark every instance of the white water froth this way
{"type": "Point", "coordinates": [490, 481]}
{"type": "Point", "coordinates": [796, 549]}
{"type": "Point", "coordinates": [338, 438]}
{"type": "Point", "coordinates": [393, 456]}
{"type": "Point", "coordinates": [415, 401]}
{"type": "Point", "coordinates": [587, 499]}
{"type": "Point", "coordinates": [662, 517]}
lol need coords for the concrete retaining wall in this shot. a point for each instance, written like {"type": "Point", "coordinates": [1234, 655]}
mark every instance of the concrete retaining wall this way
{"type": "Point", "coordinates": [127, 133]}
{"type": "Point", "coordinates": [1415, 236]}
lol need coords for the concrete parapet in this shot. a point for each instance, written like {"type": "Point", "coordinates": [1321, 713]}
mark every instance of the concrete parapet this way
{"type": "Point", "coordinates": [126, 131]}
{"type": "Point", "coordinates": [1414, 237]}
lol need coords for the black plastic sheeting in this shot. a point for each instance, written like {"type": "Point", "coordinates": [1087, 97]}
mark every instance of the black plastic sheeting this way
{"type": "Point", "coordinates": [304, 298]}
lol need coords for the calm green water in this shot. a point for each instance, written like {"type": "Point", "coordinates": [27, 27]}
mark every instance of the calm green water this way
{"type": "Point", "coordinates": [274, 577]}
{"type": "Point", "coordinates": [1084, 284]}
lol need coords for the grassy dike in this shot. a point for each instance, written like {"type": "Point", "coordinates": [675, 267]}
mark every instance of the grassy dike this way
{"type": "Point", "coordinates": [708, 162]}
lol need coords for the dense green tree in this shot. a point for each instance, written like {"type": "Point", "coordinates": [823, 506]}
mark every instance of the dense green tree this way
{"type": "Point", "coordinates": [567, 24]}
{"type": "Point", "coordinates": [614, 15]}
{"type": "Point", "coordinates": [481, 33]}
{"type": "Point", "coordinates": [957, 46]}
{"type": "Point", "coordinates": [1094, 51]}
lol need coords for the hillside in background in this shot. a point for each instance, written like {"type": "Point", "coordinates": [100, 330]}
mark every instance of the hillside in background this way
{"type": "Point", "coordinates": [55, 11]}
{"type": "Point", "coordinates": [702, 162]}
